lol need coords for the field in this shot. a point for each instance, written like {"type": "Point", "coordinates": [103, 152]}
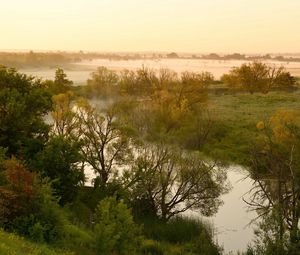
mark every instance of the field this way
{"type": "Point", "coordinates": [237, 116]}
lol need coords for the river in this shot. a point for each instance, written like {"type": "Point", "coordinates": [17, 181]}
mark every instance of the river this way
{"type": "Point", "coordinates": [231, 221]}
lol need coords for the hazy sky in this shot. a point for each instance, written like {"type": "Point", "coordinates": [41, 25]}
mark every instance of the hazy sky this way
{"type": "Point", "coordinates": [143, 25]}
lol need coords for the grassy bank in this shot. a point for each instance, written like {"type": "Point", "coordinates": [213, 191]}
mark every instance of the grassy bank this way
{"type": "Point", "coordinates": [11, 244]}
{"type": "Point", "coordinates": [236, 118]}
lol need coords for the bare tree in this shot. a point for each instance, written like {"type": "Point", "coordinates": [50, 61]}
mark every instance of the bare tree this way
{"type": "Point", "coordinates": [104, 146]}
{"type": "Point", "coordinates": [275, 168]}
{"type": "Point", "coordinates": [173, 182]}
{"type": "Point", "coordinates": [63, 115]}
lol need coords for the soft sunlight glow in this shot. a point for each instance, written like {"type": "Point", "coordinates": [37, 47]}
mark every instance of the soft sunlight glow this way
{"type": "Point", "coordinates": [156, 25]}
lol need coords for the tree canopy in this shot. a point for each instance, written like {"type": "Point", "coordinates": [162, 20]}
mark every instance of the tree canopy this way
{"type": "Point", "coordinates": [24, 103]}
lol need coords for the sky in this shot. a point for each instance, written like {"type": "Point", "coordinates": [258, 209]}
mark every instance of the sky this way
{"type": "Point", "coordinates": [221, 26]}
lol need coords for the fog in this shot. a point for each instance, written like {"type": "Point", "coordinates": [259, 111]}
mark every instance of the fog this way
{"type": "Point", "coordinates": [81, 72]}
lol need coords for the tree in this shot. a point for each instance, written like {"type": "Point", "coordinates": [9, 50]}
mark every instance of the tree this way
{"type": "Point", "coordinates": [172, 55]}
{"type": "Point", "coordinates": [17, 192]}
{"type": "Point", "coordinates": [63, 114]}
{"type": "Point", "coordinates": [61, 79]}
{"type": "Point", "coordinates": [60, 84]}
{"type": "Point", "coordinates": [27, 205]}
{"type": "Point", "coordinates": [174, 182]}
{"type": "Point", "coordinates": [24, 102]}
{"type": "Point", "coordinates": [115, 230]}
{"type": "Point", "coordinates": [258, 77]}
{"type": "Point", "coordinates": [275, 168]}
{"type": "Point", "coordinates": [104, 144]}
{"type": "Point", "coordinates": [61, 161]}
{"type": "Point", "coordinates": [198, 128]}
{"type": "Point", "coordinates": [103, 81]}
{"type": "Point", "coordinates": [193, 87]}
{"type": "Point", "coordinates": [141, 82]}
{"type": "Point", "coordinates": [172, 104]}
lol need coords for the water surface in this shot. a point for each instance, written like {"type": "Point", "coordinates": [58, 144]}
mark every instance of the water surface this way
{"type": "Point", "coordinates": [82, 72]}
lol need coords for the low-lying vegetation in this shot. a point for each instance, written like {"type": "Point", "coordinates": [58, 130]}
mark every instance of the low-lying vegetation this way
{"type": "Point", "coordinates": [158, 145]}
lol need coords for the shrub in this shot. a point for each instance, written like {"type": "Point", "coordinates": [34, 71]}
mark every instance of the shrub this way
{"type": "Point", "coordinates": [46, 222]}
{"type": "Point", "coordinates": [17, 192]}
{"type": "Point", "coordinates": [152, 248]}
{"type": "Point", "coordinates": [192, 235]}
{"type": "Point", "coordinates": [177, 230]}
{"type": "Point", "coordinates": [115, 229]}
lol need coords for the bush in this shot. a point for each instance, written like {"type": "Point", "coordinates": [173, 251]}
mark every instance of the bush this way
{"type": "Point", "coordinates": [78, 239]}
{"type": "Point", "coordinates": [116, 232]}
{"type": "Point", "coordinates": [49, 223]}
{"type": "Point", "coordinates": [12, 244]}
{"type": "Point", "coordinates": [177, 230]}
{"type": "Point", "coordinates": [152, 248]}
{"type": "Point", "coordinates": [17, 192]}
{"type": "Point", "coordinates": [45, 223]}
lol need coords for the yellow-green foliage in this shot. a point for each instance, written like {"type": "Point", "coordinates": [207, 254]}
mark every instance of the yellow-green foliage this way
{"type": "Point", "coordinates": [11, 244]}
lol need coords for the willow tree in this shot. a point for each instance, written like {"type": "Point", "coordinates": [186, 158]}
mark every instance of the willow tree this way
{"type": "Point", "coordinates": [275, 168]}
{"type": "Point", "coordinates": [170, 182]}
{"type": "Point", "coordinates": [105, 147]}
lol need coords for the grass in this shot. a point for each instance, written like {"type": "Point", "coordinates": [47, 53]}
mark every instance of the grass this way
{"type": "Point", "coordinates": [11, 244]}
{"type": "Point", "coordinates": [181, 235]}
{"type": "Point", "coordinates": [177, 230]}
{"type": "Point", "coordinates": [236, 118]}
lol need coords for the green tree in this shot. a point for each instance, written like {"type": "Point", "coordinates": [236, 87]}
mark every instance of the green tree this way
{"type": "Point", "coordinates": [61, 79]}
{"type": "Point", "coordinates": [60, 160]}
{"type": "Point", "coordinates": [61, 83]}
{"type": "Point", "coordinates": [258, 77]}
{"type": "Point", "coordinates": [24, 103]}
{"type": "Point", "coordinates": [115, 230]}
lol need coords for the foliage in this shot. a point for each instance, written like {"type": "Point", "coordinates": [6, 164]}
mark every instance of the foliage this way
{"type": "Point", "coordinates": [43, 220]}
{"type": "Point", "coordinates": [61, 84]}
{"type": "Point", "coordinates": [274, 166]}
{"type": "Point", "coordinates": [189, 236]}
{"type": "Point", "coordinates": [17, 192]}
{"type": "Point", "coordinates": [170, 182]}
{"type": "Point", "coordinates": [179, 229]}
{"type": "Point", "coordinates": [258, 76]}
{"type": "Point", "coordinates": [60, 161]}
{"type": "Point", "coordinates": [63, 114]}
{"type": "Point", "coordinates": [235, 118]}
{"type": "Point", "coordinates": [23, 104]}
{"type": "Point", "coordinates": [102, 82]}
{"type": "Point", "coordinates": [115, 230]}
{"type": "Point", "coordinates": [13, 244]}
{"type": "Point", "coordinates": [153, 248]}
{"type": "Point", "coordinates": [104, 144]}
{"type": "Point", "coordinates": [29, 209]}
{"type": "Point", "coordinates": [33, 59]}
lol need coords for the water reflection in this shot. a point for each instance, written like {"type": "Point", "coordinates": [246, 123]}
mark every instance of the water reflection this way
{"type": "Point", "coordinates": [231, 222]}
